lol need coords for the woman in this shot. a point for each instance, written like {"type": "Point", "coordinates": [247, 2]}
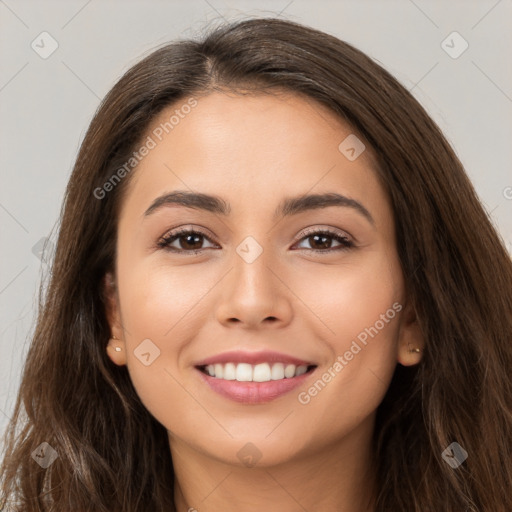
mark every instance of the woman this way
{"type": "Point", "coordinates": [274, 289]}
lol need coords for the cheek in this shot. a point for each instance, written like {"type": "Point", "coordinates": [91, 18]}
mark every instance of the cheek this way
{"type": "Point", "coordinates": [363, 310]}
{"type": "Point", "coordinates": [362, 314]}
{"type": "Point", "coordinates": [160, 307]}
{"type": "Point", "coordinates": [355, 299]}
{"type": "Point", "coordinates": [160, 300]}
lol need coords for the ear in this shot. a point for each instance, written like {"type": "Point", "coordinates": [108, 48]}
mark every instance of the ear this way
{"type": "Point", "coordinates": [410, 338]}
{"type": "Point", "coordinates": [116, 348]}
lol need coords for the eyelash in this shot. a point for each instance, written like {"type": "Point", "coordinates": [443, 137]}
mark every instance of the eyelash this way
{"type": "Point", "coordinates": [165, 241]}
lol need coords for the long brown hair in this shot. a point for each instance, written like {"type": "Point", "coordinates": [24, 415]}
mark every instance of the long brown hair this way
{"type": "Point", "coordinates": [113, 455]}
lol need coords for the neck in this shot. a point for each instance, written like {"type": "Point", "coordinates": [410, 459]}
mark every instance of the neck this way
{"type": "Point", "coordinates": [337, 477]}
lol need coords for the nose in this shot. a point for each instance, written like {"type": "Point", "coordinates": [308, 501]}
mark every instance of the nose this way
{"type": "Point", "coordinates": [254, 294]}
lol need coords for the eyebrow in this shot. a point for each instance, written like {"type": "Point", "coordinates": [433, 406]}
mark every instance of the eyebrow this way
{"type": "Point", "coordinates": [289, 206]}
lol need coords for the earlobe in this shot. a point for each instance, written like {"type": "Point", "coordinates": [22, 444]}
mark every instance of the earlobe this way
{"type": "Point", "coordinates": [411, 343]}
{"type": "Point", "coordinates": [116, 350]}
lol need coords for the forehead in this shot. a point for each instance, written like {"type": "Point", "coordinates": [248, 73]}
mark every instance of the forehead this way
{"type": "Point", "coordinates": [253, 149]}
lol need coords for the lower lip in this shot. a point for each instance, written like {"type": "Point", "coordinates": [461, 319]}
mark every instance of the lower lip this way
{"type": "Point", "coordinates": [254, 392]}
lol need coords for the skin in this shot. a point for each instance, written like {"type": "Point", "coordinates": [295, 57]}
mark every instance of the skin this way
{"type": "Point", "coordinates": [253, 151]}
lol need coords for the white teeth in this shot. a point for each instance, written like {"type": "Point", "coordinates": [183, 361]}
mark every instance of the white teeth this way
{"type": "Point", "coordinates": [289, 371]}
{"type": "Point", "coordinates": [263, 372]}
{"type": "Point", "coordinates": [229, 372]}
{"type": "Point", "coordinates": [301, 370]}
{"type": "Point", "coordinates": [277, 371]}
{"type": "Point", "coordinates": [219, 371]}
{"type": "Point", "coordinates": [243, 372]}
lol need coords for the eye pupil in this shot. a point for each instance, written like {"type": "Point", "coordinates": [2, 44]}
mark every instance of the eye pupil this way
{"type": "Point", "coordinates": [324, 244]}
{"type": "Point", "coordinates": [188, 243]}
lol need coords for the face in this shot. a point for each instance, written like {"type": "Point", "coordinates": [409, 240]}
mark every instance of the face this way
{"type": "Point", "coordinates": [258, 315]}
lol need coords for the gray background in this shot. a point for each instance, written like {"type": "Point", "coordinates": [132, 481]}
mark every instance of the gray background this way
{"type": "Point", "coordinates": [47, 104]}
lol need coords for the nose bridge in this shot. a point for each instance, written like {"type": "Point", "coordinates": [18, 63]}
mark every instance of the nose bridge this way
{"type": "Point", "coordinates": [253, 268]}
{"type": "Point", "coordinates": [253, 292]}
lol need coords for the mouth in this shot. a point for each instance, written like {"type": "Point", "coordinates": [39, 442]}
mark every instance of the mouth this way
{"type": "Point", "coordinates": [254, 383]}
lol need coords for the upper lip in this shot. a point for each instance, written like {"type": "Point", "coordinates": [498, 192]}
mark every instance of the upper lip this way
{"type": "Point", "coordinates": [265, 356]}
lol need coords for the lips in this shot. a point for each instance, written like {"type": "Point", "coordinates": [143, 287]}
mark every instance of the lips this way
{"type": "Point", "coordinates": [254, 377]}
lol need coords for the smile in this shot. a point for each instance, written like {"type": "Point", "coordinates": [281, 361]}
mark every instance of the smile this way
{"type": "Point", "coordinates": [253, 377]}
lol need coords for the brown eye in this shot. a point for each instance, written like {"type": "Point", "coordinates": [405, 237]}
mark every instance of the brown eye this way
{"type": "Point", "coordinates": [188, 241]}
{"type": "Point", "coordinates": [321, 241]}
